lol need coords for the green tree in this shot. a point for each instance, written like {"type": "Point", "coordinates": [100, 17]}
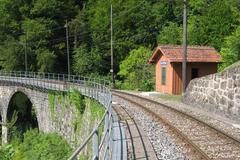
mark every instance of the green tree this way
{"type": "Point", "coordinates": [87, 62]}
{"type": "Point", "coordinates": [211, 21]}
{"type": "Point", "coordinates": [36, 25]}
{"type": "Point", "coordinates": [136, 71]}
{"type": "Point", "coordinates": [230, 52]}
{"type": "Point", "coordinates": [171, 34]}
{"type": "Point", "coordinates": [10, 16]}
{"type": "Point", "coordinates": [81, 60]}
{"type": "Point", "coordinates": [45, 60]}
{"type": "Point", "coordinates": [136, 23]}
{"type": "Point", "coordinates": [12, 55]}
{"type": "Point", "coordinates": [37, 145]}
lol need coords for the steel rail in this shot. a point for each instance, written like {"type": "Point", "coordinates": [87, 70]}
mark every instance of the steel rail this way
{"type": "Point", "coordinates": [197, 150]}
{"type": "Point", "coordinates": [235, 140]}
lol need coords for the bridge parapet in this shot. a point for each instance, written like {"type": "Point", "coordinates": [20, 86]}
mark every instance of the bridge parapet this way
{"type": "Point", "coordinates": [94, 88]}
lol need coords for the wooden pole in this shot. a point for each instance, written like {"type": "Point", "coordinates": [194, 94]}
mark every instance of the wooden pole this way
{"type": "Point", "coordinates": [68, 54]}
{"type": "Point", "coordinates": [112, 65]}
{"type": "Point", "coordinates": [184, 53]}
{"type": "Point", "coordinates": [26, 60]}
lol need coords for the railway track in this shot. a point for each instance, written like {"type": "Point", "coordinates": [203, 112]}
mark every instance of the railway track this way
{"type": "Point", "coordinates": [197, 139]}
{"type": "Point", "coordinates": [139, 147]}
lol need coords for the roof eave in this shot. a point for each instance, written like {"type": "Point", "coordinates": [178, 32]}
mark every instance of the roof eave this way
{"type": "Point", "coordinates": [154, 55]}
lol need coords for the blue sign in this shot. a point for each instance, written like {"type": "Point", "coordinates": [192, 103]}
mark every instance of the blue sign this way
{"type": "Point", "coordinates": [163, 62]}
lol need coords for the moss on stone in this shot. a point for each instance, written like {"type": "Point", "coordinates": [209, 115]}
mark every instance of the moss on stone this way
{"type": "Point", "coordinates": [82, 107]}
{"type": "Point", "coordinates": [51, 98]}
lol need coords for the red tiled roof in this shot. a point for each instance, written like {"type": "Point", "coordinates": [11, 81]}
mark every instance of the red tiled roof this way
{"type": "Point", "coordinates": [194, 54]}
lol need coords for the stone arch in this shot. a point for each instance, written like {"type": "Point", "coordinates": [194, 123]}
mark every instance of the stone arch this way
{"type": "Point", "coordinates": [20, 102]}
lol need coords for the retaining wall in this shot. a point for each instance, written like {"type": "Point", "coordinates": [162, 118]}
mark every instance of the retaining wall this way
{"type": "Point", "coordinates": [218, 93]}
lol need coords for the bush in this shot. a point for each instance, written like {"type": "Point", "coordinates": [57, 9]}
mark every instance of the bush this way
{"type": "Point", "coordinates": [37, 146]}
{"type": "Point", "coordinates": [230, 52]}
{"type": "Point", "coordinates": [7, 152]}
{"type": "Point", "coordinates": [136, 72]}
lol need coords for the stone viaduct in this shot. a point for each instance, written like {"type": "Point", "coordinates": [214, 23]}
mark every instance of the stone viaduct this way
{"type": "Point", "coordinates": [38, 99]}
{"type": "Point", "coordinates": [36, 90]}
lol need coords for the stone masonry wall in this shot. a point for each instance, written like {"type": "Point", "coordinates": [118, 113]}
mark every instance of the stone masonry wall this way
{"type": "Point", "coordinates": [218, 93]}
{"type": "Point", "coordinates": [61, 122]}
{"type": "Point", "coordinates": [64, 120]}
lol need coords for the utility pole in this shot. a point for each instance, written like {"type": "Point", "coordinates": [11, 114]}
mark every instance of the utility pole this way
{"type": "Point", "coordinates": [75, 36]}
{"type": "Point", "coordinates": [68, 54]}
{"type": "Point", "coordinates": [184, 52]}
{"type": "Point", "coordinates": [112, 67]}
{"type": "Point", "coordinates": [26, 63]}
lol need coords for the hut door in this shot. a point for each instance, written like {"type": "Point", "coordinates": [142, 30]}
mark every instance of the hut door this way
{"type": "Point", "coordinates": [195, 73]}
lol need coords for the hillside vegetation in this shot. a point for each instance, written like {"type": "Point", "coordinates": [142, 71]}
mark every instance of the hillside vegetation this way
{"type": "Point", "coordinates": [36, 145]}
{"type": "Point", "coordinates": [36, 27]}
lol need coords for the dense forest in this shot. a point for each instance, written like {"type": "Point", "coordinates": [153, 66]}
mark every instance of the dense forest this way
{"type": "Point", "coordinates": [38, 28]}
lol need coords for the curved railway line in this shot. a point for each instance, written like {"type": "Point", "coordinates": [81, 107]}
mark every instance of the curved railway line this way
{"type": "Point", "coordinates": [138, 146]}
{"type": "Point", "coordinates": [197, 139]}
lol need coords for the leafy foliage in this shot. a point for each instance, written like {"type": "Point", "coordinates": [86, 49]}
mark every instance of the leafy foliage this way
{"type": "Point", "coordinates": [86, 62]}
{"type": "Point", "coordinates": [31, 24]}
{"type": "Point", "coordinates": [231, 51]}
{"type": "Point", "coordinates": [42, 146]}
{"type": "Point", "coordinates": [211, 21]}
{"type": "Point", "coordinates": [37, 145]}
{"type": "Point", "coordinates": [138, 74]}
{"type": "Point", "coordinates": [38, 29]}
{"type": "Point", "coordinates": [7, 152]}
{"type": "Point", "coordinates": [171, 34]}
{"type": "Point", "coordinates": [77, 100]}
{"type": "Point", "coordinates": [45, 60]}
{"type": "Point", "coordinates": [12, 56]}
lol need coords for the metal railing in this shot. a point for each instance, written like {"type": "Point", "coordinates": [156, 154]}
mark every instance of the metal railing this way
{"type": "Point", "coordinates": [95, 88]}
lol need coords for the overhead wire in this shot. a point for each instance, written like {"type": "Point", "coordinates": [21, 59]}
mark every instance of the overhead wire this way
{"type": "Point", "coordinates": [24, 33]}
{"type": "Point", "coordinates": [60, 39]}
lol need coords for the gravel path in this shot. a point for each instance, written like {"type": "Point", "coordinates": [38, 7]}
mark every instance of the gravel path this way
{"type": "Point", "coordinates": [163, 144]}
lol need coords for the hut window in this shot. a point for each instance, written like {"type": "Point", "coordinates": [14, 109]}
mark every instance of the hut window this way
{"type": "Point", "coordinates": [163, 75]}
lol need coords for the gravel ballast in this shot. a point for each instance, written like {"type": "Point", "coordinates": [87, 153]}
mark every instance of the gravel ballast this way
{"type": "Point", "coordinates": [163, 144]}
{"type": "Point", "coordinates": [226, 125]}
